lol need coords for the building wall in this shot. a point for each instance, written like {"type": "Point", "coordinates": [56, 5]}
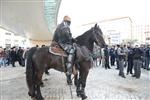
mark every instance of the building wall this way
{"type": "Point", "coordinates": [122, 30]}
{"type": "Point", "coordinates": [141, 33]}
{"type": "Point", "coordinates": [8, 39]}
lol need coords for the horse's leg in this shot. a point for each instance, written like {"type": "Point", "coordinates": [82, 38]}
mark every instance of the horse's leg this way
{"type": "Point", "coordinates": [31, 90]}
{"type": "Point", "coordinates": [100, 61]}
{"type": "Point", "coordinates": [46, 71]}
{"type": "Point", "coordinates": [82, 82]}
{"type": "Point", "coordinates": [38, 84]}
{"type": "Point", "coordinates": [76, 80]}
{"type": "Point", "coordinates": [96, 62]}
{"type": "Point", "coordinates": [75, 72]}
{"type": "Point", "coordinates": [31, 85]}
{"type": "Point", "coordinates": [39, 95]}
{"type": "Point", "coordinates": [78, 87]}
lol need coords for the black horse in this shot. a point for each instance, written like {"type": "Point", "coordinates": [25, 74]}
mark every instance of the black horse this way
{"type": "Point", "coordinates": [39, 59]}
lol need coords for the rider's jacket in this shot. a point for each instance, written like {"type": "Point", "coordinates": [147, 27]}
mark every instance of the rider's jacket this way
{"type": "Point", "coordinates": [62, 34]}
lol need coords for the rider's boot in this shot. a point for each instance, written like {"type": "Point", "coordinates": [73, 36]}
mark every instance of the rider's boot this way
{"type": "Point", "coordinates": [68, 74]}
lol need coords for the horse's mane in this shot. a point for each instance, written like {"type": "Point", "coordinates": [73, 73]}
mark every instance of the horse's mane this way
{"type": "Point", "coordinates": [84, 35]}
{"type": "Point", "coordinates": [85, 40]}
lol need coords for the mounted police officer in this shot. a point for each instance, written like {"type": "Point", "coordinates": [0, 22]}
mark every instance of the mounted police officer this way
{"type": "Point", "coordinates": [64, 38]}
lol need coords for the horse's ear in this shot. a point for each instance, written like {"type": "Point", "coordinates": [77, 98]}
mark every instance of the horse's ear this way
{"type": "Point", "coordinates": [95, 25]}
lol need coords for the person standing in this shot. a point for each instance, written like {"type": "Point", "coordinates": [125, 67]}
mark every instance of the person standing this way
{"type": "Point", "coordinates": [13, 56]}
{"type": "Point", "coordinates": [137, 61]}
{"type": "Point", "coordinates": [1, 56]}
{"type": "Point", "coordinates": [106, 54]}
{"type": "Point", "coordinates": [112, 56]}
{"type": "Point", "coordinates": [130, 60]}
{"type": "Point", "coordinates": [117, 57]}
{"type": "Point", "coordinates": [121, 57]}
{"type": "Point", "coordinates": [147, 57]}
{"type": "Point", "coordinates": [20, 56]}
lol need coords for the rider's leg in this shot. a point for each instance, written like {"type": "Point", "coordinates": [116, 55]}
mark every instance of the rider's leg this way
{"type": "Point", "coordinates": [69, 65]}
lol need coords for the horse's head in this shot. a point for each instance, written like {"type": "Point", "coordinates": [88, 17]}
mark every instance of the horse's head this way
{"type": "Point", "coordinates": [98, 36]}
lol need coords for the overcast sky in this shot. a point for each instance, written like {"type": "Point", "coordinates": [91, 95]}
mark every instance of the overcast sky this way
{"type": "Point", "coordinates": [91, 10]}
{"type": "Point", "coordinates": [86, 11]}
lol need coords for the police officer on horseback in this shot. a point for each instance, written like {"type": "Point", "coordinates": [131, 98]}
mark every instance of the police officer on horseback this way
{"type": "Point", "coordinates": [64, 38]}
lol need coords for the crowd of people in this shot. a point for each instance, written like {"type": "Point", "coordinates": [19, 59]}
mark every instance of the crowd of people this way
{"type": "Point", "coordinates": [132, 57]}
{"type": "Point", "coordinates": [8, 56]}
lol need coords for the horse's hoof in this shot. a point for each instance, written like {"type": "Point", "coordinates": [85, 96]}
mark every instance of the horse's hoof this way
{"type": "Point", "coordinates": [42, 85]}
{"type": "Point", "coordinates": [83, 96]}
{"type": "Point", "coordinates": [45, 79]}
{"type": "Point", "coordinates": [69, 82]}
{"type": "Point", "coordinates": [31, 94]}
{"type": "Point", "coordinates": [40, 98]}
{"type": "Point", "coordinates": [78, 95]}
{"type": "Point", "coordinates": [75, 83]}
{"type": "Point", "coordinates": [47, 73]}
{"type": "Point", "coordinates": [33, 98]}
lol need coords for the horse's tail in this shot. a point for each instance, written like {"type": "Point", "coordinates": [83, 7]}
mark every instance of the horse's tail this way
{"type": "Point", "coordinates": [30, 72]}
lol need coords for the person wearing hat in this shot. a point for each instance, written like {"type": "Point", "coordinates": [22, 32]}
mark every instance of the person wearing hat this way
{"type": "Point", "coordinates": [63, 37]}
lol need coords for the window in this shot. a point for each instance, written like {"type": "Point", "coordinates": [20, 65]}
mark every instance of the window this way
{"type": "Point", "coordinates": [7, 33]}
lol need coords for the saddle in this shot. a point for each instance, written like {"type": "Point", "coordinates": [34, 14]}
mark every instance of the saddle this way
{"type": "Point", "coordinates": [57, 50]}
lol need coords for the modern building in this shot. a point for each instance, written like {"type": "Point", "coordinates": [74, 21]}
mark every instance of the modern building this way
{"type": "Point", "coordinates": [9, 39]}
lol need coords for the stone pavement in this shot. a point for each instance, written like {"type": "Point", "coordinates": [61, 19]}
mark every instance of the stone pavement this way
{"type": "Point", "coordinates": [101, 85]}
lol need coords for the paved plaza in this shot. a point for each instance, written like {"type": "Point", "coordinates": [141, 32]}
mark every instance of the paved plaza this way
{"type": "Point", "coordinates": [101, 85]}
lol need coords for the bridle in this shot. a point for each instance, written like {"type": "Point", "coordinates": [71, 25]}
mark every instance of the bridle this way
{"type": "Point", "coordinates": [97, 41]}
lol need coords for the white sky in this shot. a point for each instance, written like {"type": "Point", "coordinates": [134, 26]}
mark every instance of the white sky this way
{"type": "Point", "coordinates": [86, 11]}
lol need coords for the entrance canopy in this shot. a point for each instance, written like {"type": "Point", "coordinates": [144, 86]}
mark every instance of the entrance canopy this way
{"type": "Point", "coordinates": [34, 19]}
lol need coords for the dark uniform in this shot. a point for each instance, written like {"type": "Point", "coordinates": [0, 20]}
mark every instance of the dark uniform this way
{"type": "Point", "coordinates": [13, 56]}
{"type": "Point", "coordinates": [64, 38]}
{"type": "Point", "coordinates": [147, 58]}
{"type": "Point", "coordinates": [112, 56]}
{"type": "Point", "coordinates": [137, 62]}
{"type": "Point", "coordinates": [130, 60]}
{"type": "Point", "coordinates": [19, 56]}
{"type": "Point", "coordinates": [106, 54]}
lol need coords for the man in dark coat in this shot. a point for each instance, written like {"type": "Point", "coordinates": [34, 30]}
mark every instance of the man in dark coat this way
{"type": "Point", "coordinates": [64, 38]}
{"type": "Point", "coordinates": [137, 61]}
{"type": "Point", "coordinates": [13, 56]}
{"type": "Point", "coordinates": [112, 56]}
{"type": "Point", "coordinates": [130, 60]}
{"type": "Point", "coordinates": [147, 57]}
{"type": "Point", "coordinates": [106, 54]}
{"type": "Point", "coordinates": [19, 56]}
